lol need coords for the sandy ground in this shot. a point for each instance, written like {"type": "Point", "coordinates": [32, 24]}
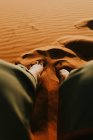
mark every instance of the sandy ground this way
{"type": "Point", "coordinates": [59, 32]}
{"type": "Point", "coordinates": [28, 24]}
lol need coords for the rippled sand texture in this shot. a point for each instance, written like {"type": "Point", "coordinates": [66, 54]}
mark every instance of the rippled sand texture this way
{"type": "Point", "coordinates": [47, 30]}
{"type": "Point", "coordinates": [27, 24]}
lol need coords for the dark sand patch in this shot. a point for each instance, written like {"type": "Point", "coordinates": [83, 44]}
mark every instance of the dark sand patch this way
{"type": "Point", "coordinates": [81, 45]}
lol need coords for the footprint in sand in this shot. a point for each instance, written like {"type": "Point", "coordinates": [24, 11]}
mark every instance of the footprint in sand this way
{"type": "Point", "coordinates": [85, 23]}
{"type": "Point", "coordinates": [81, 45]}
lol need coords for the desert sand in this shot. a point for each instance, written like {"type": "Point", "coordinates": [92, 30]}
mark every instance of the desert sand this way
{"type": "Point", "coordinates": [58, 32]}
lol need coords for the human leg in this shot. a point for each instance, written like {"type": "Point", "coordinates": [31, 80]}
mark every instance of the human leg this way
{"type": "Point", "coordinates": [17, 95]}
{"type": "Point", "coordinates": [75, 119]}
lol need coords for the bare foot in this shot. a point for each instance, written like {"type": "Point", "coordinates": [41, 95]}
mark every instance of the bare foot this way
{"type": "Point", "coordinates": [36, 69]}
{"type": "Point", "coordinates": [63, 74]}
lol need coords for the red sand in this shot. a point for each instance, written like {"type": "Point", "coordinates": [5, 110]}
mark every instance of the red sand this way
{"type": "Point", "coordinates": [29, 30]}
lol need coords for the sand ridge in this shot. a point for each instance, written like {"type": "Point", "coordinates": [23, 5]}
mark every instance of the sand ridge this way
{"type": "Point", "coordinates": [33, 30]}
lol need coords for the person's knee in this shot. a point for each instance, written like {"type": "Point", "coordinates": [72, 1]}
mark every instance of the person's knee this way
{"type": "Point", "coordinates": [5, 66]}
{"type": "Point", "coordinates": [76, 100]}
{"type": "Point", "coordinates": [83, 73]}
{"type": "Point", "coordinates": [86, 75]}
{"type": "Point", "coordinates": [82, 77]}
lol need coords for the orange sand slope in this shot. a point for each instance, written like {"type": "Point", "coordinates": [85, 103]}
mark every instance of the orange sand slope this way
{"type": "Point", "coordinates": [27, 30]}
{"type": "Point", "coordinates": [67, 52]}
{"type": "Point", "coordinates": [28, 24]}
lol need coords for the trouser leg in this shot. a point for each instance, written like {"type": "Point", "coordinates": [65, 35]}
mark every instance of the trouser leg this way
{"type": "Point", "coordinates": [75, 119]}
{"type": "Point", "coordinates": [17, 95]}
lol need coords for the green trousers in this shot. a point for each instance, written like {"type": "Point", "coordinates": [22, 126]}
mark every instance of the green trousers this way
{"type": "Point", "coordinates": [75, 116]}
{"type": "Point", "coordinates": [17, 96]}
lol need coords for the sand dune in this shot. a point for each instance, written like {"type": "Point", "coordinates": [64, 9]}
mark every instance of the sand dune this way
{"type": "Point", "coordinates": [43, 30]}
{"type": "Point", "coordinates": [25, 25]}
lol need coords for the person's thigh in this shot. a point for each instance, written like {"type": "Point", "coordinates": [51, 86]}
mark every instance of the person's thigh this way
{"type": "Point", "coordinates": [16, 100]}
{"type": "Point", "coordinates": [76, 104]}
